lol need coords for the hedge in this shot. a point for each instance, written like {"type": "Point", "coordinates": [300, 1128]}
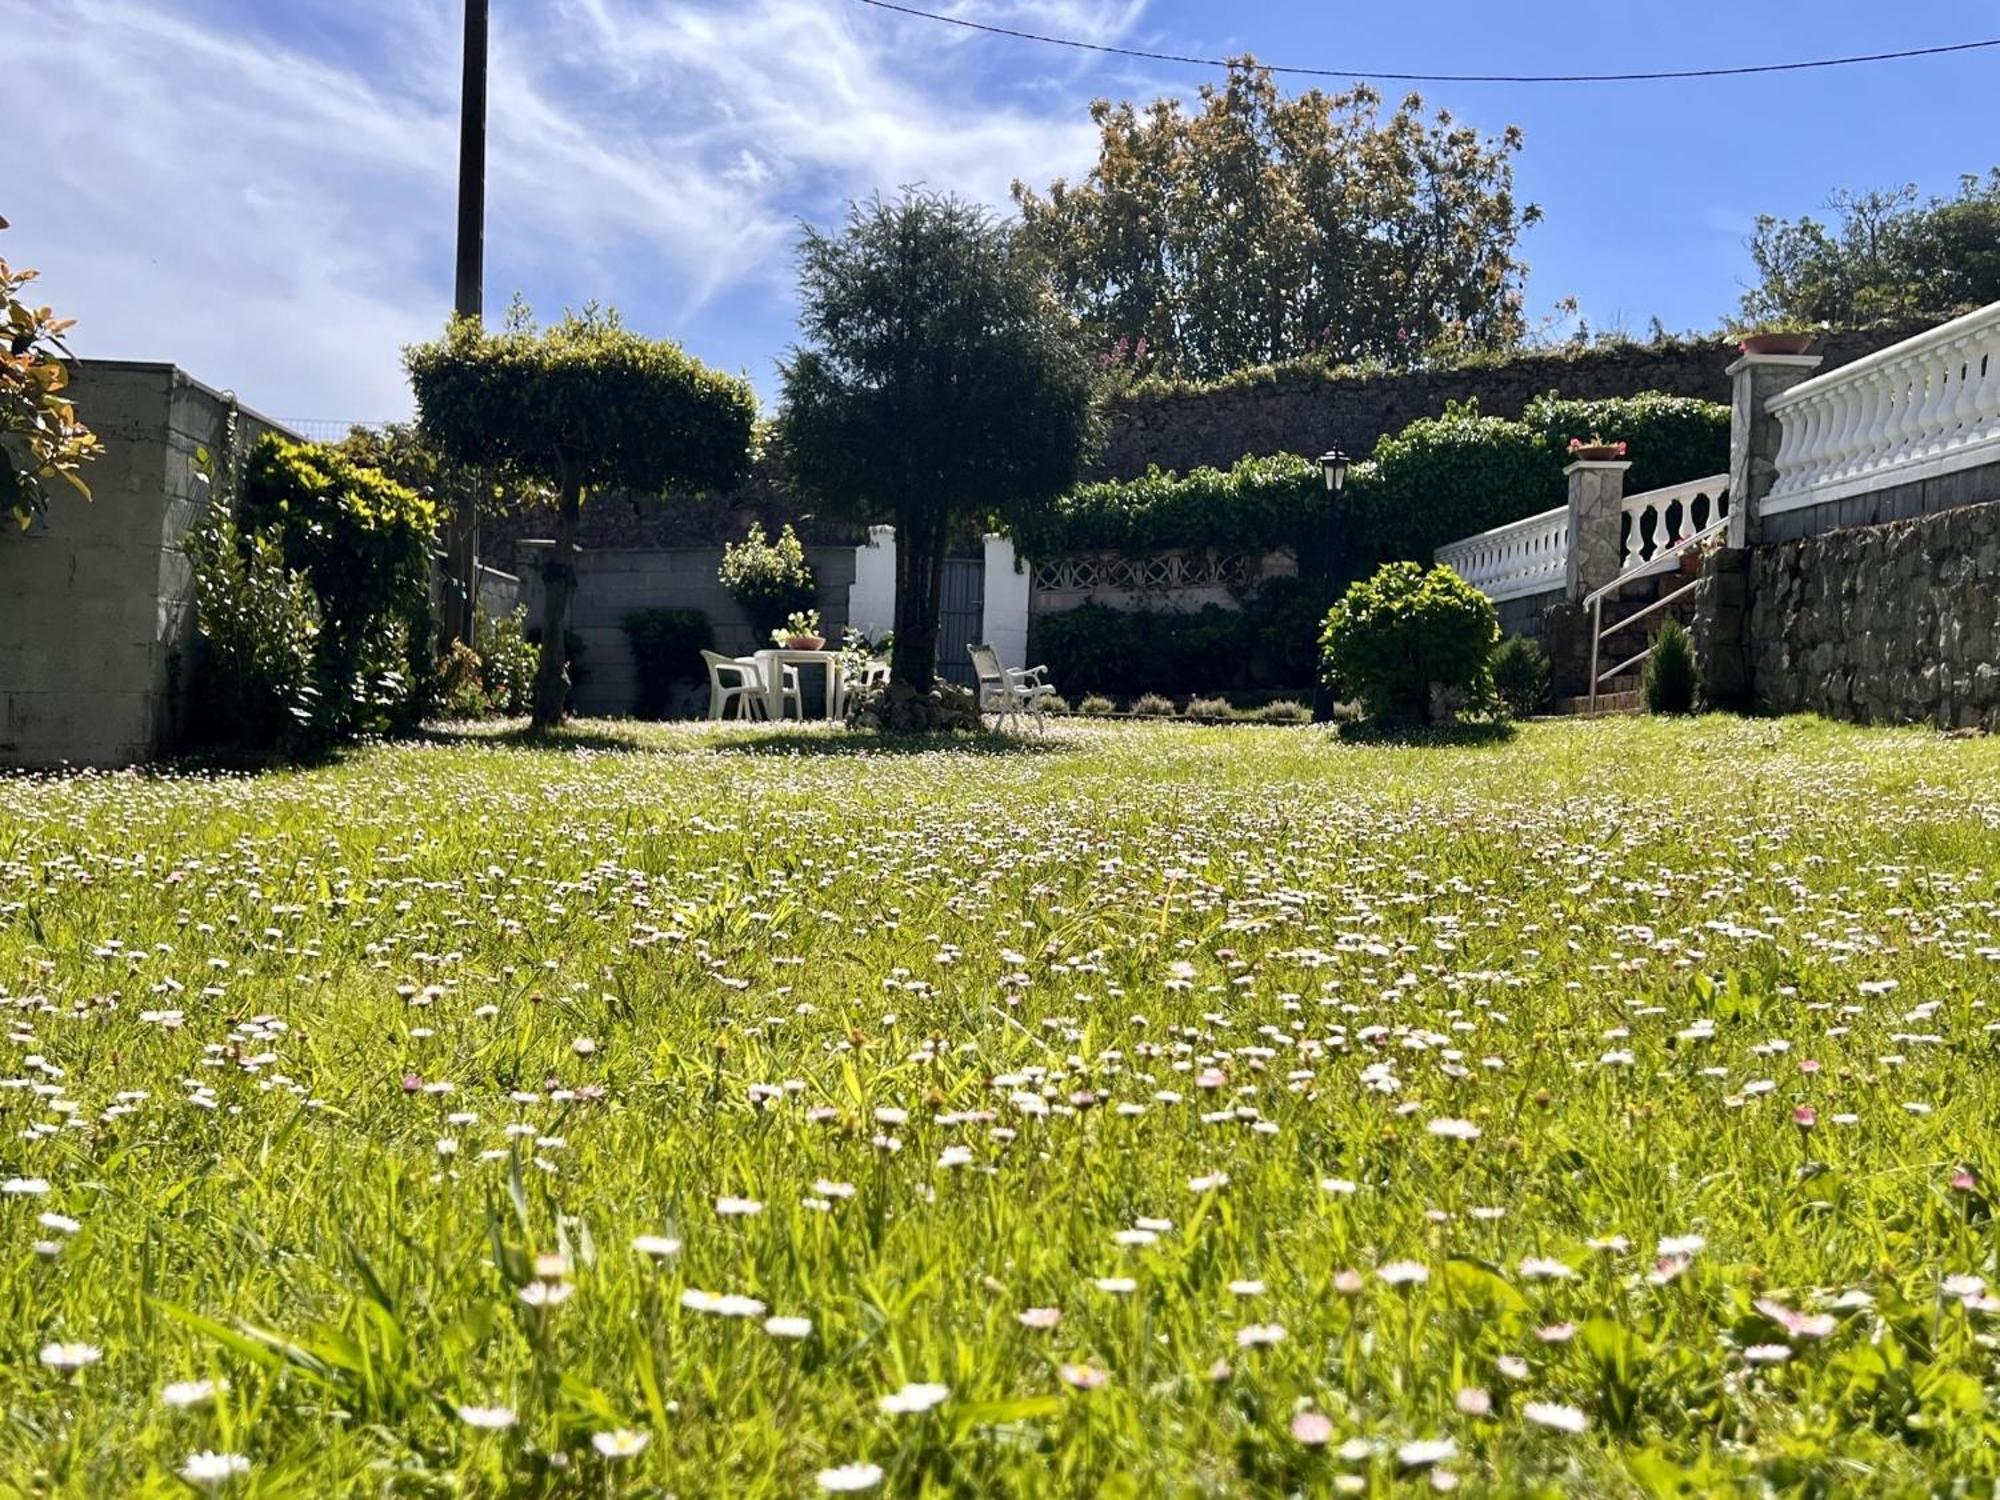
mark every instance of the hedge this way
{"type": "Point", "coordinates": [1437, 480]}
{"type": "Point", "coordinates": [1269, 643]}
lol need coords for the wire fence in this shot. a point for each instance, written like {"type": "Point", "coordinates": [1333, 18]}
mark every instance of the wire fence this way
{"type": "Point", "coordinates": [326, 429]}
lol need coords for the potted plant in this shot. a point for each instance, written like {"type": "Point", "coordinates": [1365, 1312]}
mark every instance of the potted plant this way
{"type": "Point", "coordinates": [769, 579]}
{"type": "Point", "coordinates": [800, 632]}
{"type": "Point", "coordinates": [1776, 336]}
{"type": "Point", "coordinates": [1595, 450]}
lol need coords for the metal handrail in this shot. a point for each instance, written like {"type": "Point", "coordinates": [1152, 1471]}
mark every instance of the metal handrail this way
{"type": "Point", "coordinates": [1654, 564]}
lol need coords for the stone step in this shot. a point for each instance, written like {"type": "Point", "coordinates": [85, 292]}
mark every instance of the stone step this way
{"type": "Point", "coordinates": [1621, 695]}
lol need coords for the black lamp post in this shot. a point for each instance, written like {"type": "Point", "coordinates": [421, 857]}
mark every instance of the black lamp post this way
{"type": "Point", "coordinates": [1333, 465]}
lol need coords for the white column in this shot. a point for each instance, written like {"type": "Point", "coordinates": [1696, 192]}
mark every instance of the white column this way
{"type": "Point", "coordinates": [871, 598]}
{"type": "Point", "coordinates": [1005, 617]}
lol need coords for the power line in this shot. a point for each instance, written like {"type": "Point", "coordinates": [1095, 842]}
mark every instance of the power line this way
{"type": "Point", "coordinates": [1219, 62]}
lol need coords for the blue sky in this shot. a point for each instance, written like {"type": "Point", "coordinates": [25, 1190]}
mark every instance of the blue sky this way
{"type": "Point", "coordinates": [262, 190]}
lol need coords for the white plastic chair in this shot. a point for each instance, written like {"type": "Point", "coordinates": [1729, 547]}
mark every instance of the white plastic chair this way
{"type": "Point", "coordinates": [1009, 692]}
{"type": "Point", "coordinates": [788, 695]}
{"type": "Point", "coordinates": [739, 681]}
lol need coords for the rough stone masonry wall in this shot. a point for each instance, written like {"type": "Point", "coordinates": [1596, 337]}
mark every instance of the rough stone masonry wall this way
{"type": "Point", "coordinates": [1305, 411]}
{"type": "Point", "coordinates": [1898, 623]}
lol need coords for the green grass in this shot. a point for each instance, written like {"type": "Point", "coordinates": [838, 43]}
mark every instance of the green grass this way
{"type": "Point", "coordinates": [1108, 970]}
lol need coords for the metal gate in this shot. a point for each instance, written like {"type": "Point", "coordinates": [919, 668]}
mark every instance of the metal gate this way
{"type": "Point", "coordinates": [961, 616]}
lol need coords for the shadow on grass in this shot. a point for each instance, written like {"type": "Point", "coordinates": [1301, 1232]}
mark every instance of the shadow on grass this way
{"type": "Point", "coordinates": [1427, 736]}
{"type": "Point", "coordinates": [522, 737]}
{"type": "Point", "coordinates": [743, 741]}
{"type": "Point", "coordinates": [875, 742]}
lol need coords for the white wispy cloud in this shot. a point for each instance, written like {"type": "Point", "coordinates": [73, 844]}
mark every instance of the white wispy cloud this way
{"type": "Point", "coordinates": [268, 202]}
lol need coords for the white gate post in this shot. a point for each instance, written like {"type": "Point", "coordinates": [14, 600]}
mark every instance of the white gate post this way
{"type": "Point", "coordinates": [1004, 616]}
{"type": "Point", "coordinates": [871, 598]}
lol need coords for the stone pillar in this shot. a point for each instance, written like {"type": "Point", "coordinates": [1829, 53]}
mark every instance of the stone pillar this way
{"type": "Point", "coordinates": [1753, 434]}
{"type": "Point", "coordinates": [1596, 525]}
{"type": "Point", "coordinates": [871, 598]}
{"type": "Point", "coordinates": [1004, 615]}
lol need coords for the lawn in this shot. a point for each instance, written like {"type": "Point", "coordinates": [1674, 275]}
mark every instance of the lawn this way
{"type": "Point", "coordinates": [1146, 1110]}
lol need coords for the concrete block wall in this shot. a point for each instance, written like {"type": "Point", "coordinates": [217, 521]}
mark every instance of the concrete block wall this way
{"type": "Point", "coordinates": [95, 671]}
{"type": "Point", "coordinates": [612, 584]}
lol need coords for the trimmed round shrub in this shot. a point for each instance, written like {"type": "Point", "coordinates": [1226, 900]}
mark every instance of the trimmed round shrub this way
{"type": "Point", "coordinates": [1152, 706]}
{"type": "Point", "coordinates": [1097, 704]}
{"type": "Point", "coordinates": [1284, 711]}
{"type": "Point", "coordinates": [1669, 679]}
{"type": "Point", "coordinates": [1521, 677]}
{"type": "Point", "coordinates": [1210, 708]}
{"type": "Point", "coordinates": [1395, 636]}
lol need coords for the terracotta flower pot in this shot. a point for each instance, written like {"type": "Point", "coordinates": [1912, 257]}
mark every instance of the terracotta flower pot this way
{"type": "Point", "coordinates": [1690, 561]}
{"type": "Point", "coordinates": [1598, 452]}
{"type": "Point", "coordinates": [806, 643]}
{"type": "Point", "coordinates": [1776, 343]}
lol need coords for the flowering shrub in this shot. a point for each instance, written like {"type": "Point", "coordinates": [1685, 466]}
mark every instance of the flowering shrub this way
{"type": "Point", "coordinates": [363, 541]}
{"type": "Point", "coordinates": [769, 579]}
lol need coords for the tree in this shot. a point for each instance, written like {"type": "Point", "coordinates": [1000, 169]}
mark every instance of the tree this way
{"type": "Point", "coordinates": [1889, 256]}
{"type": "Point", "coordinates": [940, 384]}
{"type": "Point", "coordinates": [40, 438]}
{"type": "Point", "coordinates": [583, 403]}
{"type": "Point", "coordinates": [1266, 228]}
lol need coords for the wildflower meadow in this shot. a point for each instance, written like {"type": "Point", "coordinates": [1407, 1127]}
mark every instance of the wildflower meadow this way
{"type": "Point", "coordinates": [1134, 1111]}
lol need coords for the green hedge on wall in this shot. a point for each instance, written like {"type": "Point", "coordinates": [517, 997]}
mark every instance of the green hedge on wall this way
{"type": "Point", "coordinates": [1269, 643]}
{"type": "Point", "coordinates": [1261, 504]}
{"type": "Point", "coordinates": [1439, 479]}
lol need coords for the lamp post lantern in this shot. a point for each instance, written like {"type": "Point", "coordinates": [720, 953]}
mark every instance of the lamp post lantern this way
{"type": "Point", "coordinates": [1333, 467]}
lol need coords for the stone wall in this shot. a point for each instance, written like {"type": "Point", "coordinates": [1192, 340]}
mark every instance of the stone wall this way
{"type": "Point", "coordinates": [1896, 623]}
{"type": "Point", "coordinates": [611, 584]}
{"type": "Point", "coordinates": [94, 669]}
{"type": "Point", "coordinates": [1527, 614]}
{"type": "Point", "coordinates": [1306, 411]}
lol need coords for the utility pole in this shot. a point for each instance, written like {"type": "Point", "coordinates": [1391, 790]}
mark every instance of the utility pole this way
{"type": "Point", "coordinates": [469, 301]}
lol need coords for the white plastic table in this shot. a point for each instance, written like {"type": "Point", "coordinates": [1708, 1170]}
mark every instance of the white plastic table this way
{"type": "Point", "coordinates": [772, 661]}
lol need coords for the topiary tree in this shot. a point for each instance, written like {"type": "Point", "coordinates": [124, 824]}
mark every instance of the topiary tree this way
{"type": "Point", "coordinates": [43, 440]}
{"type": "Point", "coordinates": [940, 385]}
{"type": "Point", "coordinates": [1394, 636]}
{"type": "Point", "coordinates": [582, 403]}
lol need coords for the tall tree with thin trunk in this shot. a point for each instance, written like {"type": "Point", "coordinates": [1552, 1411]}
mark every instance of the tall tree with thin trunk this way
{"type": "Point", "coordinates": [583, 403]}
{"type": "Point", "coordinates": [939, 387]}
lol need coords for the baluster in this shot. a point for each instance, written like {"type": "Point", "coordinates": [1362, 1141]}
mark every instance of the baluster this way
{"type": "Point", "coordinates": [1907, 391]}
{"type": "Point", "coordinates": [1867, 401]}
{"type": "Point", "coordinates": [1801, 434]}
{"type": "Point", "coordinates": [1934, 420]}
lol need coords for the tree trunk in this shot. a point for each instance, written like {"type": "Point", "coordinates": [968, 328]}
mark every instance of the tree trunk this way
{"type": "Point", "coordinates": [558, 587]}
{"type": "Point", "coordinates": [919, 570]}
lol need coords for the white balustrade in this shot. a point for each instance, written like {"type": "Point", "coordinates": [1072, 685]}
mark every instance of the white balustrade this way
{"type": "Point", "coordinates": [1927, 406]}
{"type": "Point", "coordinates": [1657, 519]}
{"type": "Point", "coordinates": [1508, 562]}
